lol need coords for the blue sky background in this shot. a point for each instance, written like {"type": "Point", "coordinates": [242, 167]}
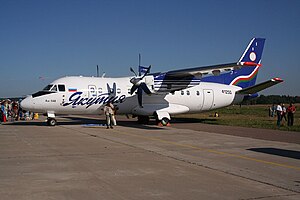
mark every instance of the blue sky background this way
{"type": "Point", "coordinates": [55, 38]}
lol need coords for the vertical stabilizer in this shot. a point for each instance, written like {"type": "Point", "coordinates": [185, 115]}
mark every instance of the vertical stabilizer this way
{"type": "Point", "coordinates": [246, 76]}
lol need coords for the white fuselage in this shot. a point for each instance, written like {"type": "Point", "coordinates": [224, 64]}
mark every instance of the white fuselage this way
{"type": "Point", "coordinates": [87, 95]}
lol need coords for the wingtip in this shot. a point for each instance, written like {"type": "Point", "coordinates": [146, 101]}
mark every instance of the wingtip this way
{"type": "Point", "coordinates": [277, 79]}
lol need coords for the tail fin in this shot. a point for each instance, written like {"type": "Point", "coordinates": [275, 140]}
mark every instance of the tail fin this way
{"type": "Point", "coordinates": [246, 76]}
{"type": "Point", "coordinates": [253, 52]}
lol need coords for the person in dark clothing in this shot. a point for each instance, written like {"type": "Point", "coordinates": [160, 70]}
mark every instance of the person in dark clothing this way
{"type": "Point", "coordinates": [291, 110]}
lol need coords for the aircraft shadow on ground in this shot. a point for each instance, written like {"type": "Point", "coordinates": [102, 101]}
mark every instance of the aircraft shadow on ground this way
{"type": "Point", "coordinates": [122, 122]}
{"type": "Point", "coordinates": [179, 120]}
{"type": "Point", "coordinates": [86, 121]}
{"type": "Point", "coordinates": [278, 152]}
{"type": "Point", "coordinates": [25, 123]}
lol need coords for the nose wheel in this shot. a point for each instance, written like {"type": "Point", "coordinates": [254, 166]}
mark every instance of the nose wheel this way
{"type": "Point", "coordinates": [51, 121]}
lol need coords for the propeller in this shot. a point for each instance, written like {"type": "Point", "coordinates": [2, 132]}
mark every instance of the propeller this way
{"type": "Point", "coordinates": [139, 85]}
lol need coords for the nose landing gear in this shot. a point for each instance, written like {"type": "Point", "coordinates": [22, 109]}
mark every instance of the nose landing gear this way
{"type": "Point", "coordinates": [51, 121]}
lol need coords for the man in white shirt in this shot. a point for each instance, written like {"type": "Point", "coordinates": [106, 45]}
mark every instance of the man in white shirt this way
{"type": "Point", "coordinates": [109, 112]}
{"type": "Point", "coordinates": [279, 114]}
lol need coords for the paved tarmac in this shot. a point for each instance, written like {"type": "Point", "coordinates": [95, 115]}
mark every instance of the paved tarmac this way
{"type": "Point", "coordinates": [76, 161]}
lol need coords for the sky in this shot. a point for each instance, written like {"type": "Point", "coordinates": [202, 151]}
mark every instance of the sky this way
{"type": "Point", "coordinates": [42, 40]}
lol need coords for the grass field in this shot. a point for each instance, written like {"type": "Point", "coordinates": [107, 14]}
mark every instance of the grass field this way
{"type": "Point", "coordinates": [256, 116]}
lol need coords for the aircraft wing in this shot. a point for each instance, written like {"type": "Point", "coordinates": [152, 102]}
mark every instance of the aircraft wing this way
{"type": "Point", "coordinates": [208, 70]}
{"type": "Point", "coordinates": [261, 86]}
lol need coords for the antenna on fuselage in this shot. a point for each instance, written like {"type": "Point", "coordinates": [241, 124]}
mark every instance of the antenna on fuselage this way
{"type": "Point", "coordinates": [140, 58]}
{"type": "Point", "coordinates": [97, 71]}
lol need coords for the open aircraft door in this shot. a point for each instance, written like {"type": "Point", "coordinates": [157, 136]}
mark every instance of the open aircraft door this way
{"type": "Point", "coordinates": [208, 99]}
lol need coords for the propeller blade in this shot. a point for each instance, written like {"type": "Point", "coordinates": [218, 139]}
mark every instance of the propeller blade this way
{"type": "Point", "coordinates": [133, 89]}
{"type": "Point", "coordinates": [145, 88]}
{"type": "Point", "coordinates": [108, 89]}
{"type": "Point", "coordinates": [139, 63]}
{"type": "Point", "coordinates": [140, 96]}
{"type": "Point", "coordinates": [114, 89]}
{"type": "Point", "coordinates": [133, 71]}
{"type": "Point", "coordinates": [148, 70]}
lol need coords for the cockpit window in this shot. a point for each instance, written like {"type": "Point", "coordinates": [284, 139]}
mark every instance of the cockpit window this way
{"type": "Point", "coordinates": [61, 88]}
{"type": "Point", "coordinates": [47, 88]}
{"type": "Point", "coordinates": [50, 89]}
{"type": "Point", "coordinates": [54, 88]}
{"type": "Point", "coordinates": [41, 93]}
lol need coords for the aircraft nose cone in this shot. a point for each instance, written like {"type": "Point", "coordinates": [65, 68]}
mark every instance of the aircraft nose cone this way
{"type": "Point", "coordinates": [26, 103]}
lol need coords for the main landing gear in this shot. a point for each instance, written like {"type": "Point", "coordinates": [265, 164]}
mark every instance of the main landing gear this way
{"type": "Point", "coordinates": [162, 118]}
{"type": "Point", "coordinates": [164, 122]}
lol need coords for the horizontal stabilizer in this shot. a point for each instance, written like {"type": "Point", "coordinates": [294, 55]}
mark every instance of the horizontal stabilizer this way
{"type": "Point", "coordinates": [261, 86]}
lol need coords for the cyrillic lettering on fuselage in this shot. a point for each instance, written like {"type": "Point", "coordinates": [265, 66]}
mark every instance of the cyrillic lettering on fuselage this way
{"type": "Point", "coordinates": [77, 100]}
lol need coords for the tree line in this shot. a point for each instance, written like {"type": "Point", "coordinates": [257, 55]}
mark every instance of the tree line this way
{"type": "Point", "coordinates": [273, 99]}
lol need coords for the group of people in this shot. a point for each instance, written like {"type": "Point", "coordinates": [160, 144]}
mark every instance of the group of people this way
{"type": "Point", "coordinates": [283, 113]}
{"type": "Point", "coordinates": [12, 111]}
{"type": "Point", "coordinates": [9, 109]}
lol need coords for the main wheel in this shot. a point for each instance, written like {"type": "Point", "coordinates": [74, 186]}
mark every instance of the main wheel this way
{"type": "Point", "coordinates": [165, 121]}
{"type": "Point", "coordinates": [51, 121]}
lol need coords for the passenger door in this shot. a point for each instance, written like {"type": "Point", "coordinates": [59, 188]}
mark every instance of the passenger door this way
{"type": "Point", "coordinates": [208, 99]}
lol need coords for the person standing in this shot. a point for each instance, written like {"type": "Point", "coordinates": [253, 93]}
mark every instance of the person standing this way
{"type": "Point", "coordinates": [108, 112]}
{"type": "Point", "coordinates": [291, 110]}
{"type": "Point", "coordinates": [270, 111]}
{"type": "Point", "coordinates": [279, 114]}
{"type": "Point", "coordinates": [3, 111]}
{"type": "Point", "coordinates": [273, 110]}
{"type": "Point", "coordinates": [283, 112]}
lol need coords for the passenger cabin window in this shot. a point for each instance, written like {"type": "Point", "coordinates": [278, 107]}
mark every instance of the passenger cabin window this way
{"type": "Point", "coordinates": [198, 93]}
{"type": "Point", "coordinates": [182, 92]}
{"type": "Point", "coordinates": [61, 88]}
{"type": "Point", "coordinates": [188, 92]}
{"type": "Point", "coordinates": [118, 90]}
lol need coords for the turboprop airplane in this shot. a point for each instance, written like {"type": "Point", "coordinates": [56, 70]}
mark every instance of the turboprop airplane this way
{"type": "Point", "coordinates": [161, 94]}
